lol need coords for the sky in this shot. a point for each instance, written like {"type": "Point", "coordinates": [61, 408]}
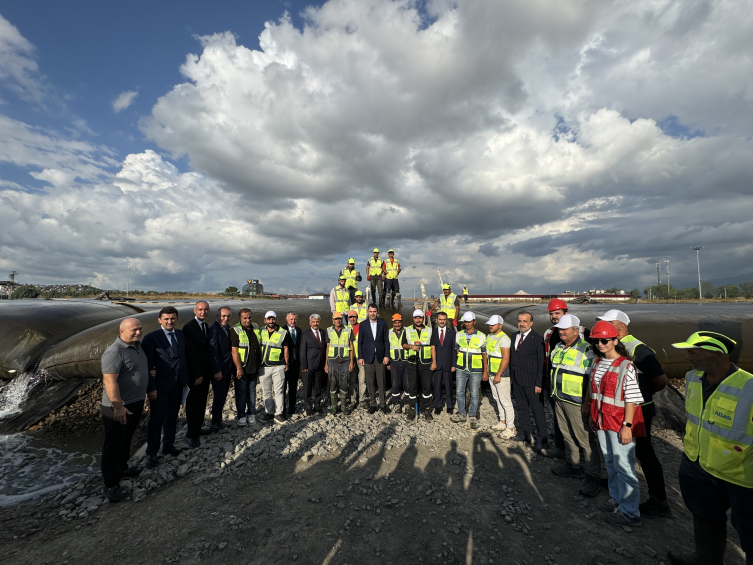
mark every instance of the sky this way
{"type": "Point", "coordinates": [543, 145]}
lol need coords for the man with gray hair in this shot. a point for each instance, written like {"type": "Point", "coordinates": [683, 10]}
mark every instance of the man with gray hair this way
{"type": "Point", "coordinates": [313, 356]}
{"type": "Point", "coordinates": [199, 372]}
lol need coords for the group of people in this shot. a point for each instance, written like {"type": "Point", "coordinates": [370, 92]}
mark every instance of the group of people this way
{"type": "Point", "coordinates": [599, 381]}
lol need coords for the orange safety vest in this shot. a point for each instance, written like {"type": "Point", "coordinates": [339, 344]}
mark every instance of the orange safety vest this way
{"type": "Point", "coordinates": [608, 405]}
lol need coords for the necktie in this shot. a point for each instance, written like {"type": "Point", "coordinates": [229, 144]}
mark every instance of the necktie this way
{"type": "Point", "coordinates": [316, 333]}
{"type": "Point", "coordinates": [171, 335]}
{"type": "Point", "coordinates": [520, 341]}
{"type": "Point", "coordinates": [204, 329]}
{"type": "Point", "coordinates": [441, 336]}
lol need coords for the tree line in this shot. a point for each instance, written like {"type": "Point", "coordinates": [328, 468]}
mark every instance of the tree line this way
{"type": "Point", "coordinates": [708, 289]}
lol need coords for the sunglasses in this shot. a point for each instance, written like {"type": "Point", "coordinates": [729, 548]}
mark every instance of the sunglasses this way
{"type": "Point", "coordinates": [352, 317]}
{"type": "Point", "coordinates": [603, 341]}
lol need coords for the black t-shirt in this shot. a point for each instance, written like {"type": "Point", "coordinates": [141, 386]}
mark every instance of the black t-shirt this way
{"type": "Point", "coordinates": [649, 367]}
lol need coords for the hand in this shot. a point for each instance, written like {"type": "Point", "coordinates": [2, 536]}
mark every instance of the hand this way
{"type": "Point", "coordinates": [152, 395]}
{"type": "Point", "coordinates": [286, 368]}
{"type": "Point", "coordinates": [537, 389]}
{"type": "Point", "coordinates": [326, 368]}
{"type": "Point", "coordinates": [304, 370]}
{"type": "Point", "coordinates": [455, 323]}
{"type": "Point", "coordinates": [415, 347]}
{"type": "Point", "coordinates": [120, 412]}
{"type": "Point", "coordinates": [497, 380]}
{"type": "Point", "coordinates": [218, 376]}
{"type": "Point", "coordinates": [198, 381]}
{"type": "Point", "coordinates": [433, 367]}
{"type": "Point", "coordinates": [350, 367]}
{"type": "Point", "coordinates": [485, 376]}
{"type": "Point", "coordinates": [626, 435]}
{"type": "Point", "coordinates": [453, 369]}
{"type": "Point", "coordinates": [386, 361]}
{"type": "Point", "coordinates": [384, 278]}
{"type": "Point", "coordinates": [361, 362]}
{"type": "Point", "coordinates": [368, 277]}
{"type": "Point", "coordinates": [239, 373]}
{"type": "Point", "coordinates": [153, 373]}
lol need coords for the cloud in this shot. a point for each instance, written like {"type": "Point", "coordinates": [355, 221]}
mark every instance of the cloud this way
{"type": "Point", "coordinates": [18, 69]}
{"type": "Point", "coordinates": [489, 249]}
{"type": "Point", "coordinates": [124, 100]}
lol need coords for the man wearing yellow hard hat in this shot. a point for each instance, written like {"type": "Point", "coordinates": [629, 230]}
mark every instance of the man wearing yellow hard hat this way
{"type": "Point", "coordinates": [375, 275]}
{"type": "Point", "coordinates": [352, 278]}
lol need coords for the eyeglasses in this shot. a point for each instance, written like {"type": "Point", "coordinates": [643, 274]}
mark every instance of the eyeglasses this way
{"type": "Point", "coordinates": [603, 341]}
{"type": "Point", "coordinates": [352, 317]}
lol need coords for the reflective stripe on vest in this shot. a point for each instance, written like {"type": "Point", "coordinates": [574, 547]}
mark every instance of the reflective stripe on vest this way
{"type": "Point", "coordinates": [375, 267]}
{"type": "Point", "coordinates": [494, 353]}
{"type": "Point", "coordinates": [243, 343]}
{"type": "Point", "coordinates": [720, 435]}
{"type": "Point", "coordinates": [271, 347]}
{"type": "Point", "coordinates": [339, 345]}
{"type": "Point", "coordinates": [350, 277]}
{"type": "Point", "coordinates": [607, 404]}
{"type": "Point", "coordinates": [469, 353]}
{"type": "Point", "coordinates": [447, 305]}
{"type": "Point", "coordinates": [631, 343]}
{"type": "Point", "coordinates": [424, 336]}
{"type": "Point", "coordinates": [391, 268]}
{"type": "Point", "coordinates": [397, 353]}
{"type": "Point", "coordinates": [342, 300]}
{"type": "Point", "coordinates": [569, 368]}
{"type": "Point", "coordinates": [361, 310]}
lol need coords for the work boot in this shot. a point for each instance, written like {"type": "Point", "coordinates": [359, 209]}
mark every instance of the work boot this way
{"type": "Point", "coordinates": [410, 413]}
{"type": "Point", "coordinates": [399, 300]}
{"type": "Point", "coordinates": [333, 403]}
{"type": "Point", "coordinates": [591, 486]}
{"type": "Point", "coordinates": [654, 508]}
{"type": "Point", "coordinates": [567, 470]}
{"type": "Point", "coordinates": [427, 414]}
{"type": "Point", "coordinates": [710, 544]}
{"type": "Point", "coordinates": [344, 404]}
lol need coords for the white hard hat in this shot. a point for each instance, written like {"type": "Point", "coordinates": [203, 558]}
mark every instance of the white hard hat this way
{"type": "Point", "coordinates": [494, 320]}
{"type": "Point", "coordinates": [613, 315]}
{"type": "Point", "coordinates": [468, 316]}
{"type": "Point", "coordinates": [568, 321]}
{"type": "Point", "coordinates": [418, 312]}
{"type": "Point", "coordinates": [270, 314]}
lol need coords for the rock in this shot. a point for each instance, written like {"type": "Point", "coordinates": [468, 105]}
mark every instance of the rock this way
{"type": "Point", "coordinates": [223, 544]}
{"type": "Point", "coordinates": [649, 551]}
{"type": "Point", "coordinates": [182, 470]}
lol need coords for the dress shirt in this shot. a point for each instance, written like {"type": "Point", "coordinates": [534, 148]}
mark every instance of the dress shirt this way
{"type": "Point", "coordinates": [174, 339]}
{"type": "Point", "coordinates": [519, 337]}
{"type": "Point", "coordinates": [373, 328]}
{"type": "Point", "coordinates": [202, 325]}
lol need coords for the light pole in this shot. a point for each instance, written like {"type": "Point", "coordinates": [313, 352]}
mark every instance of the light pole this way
{"type": "Point", "coordinates": [698, 263]}
{"type": "Point", "coordinates": [668, 295]}
{"type": "Point", "coordinates": [128, 284]}
{"type": "Point", "coordinates": [414, 282]}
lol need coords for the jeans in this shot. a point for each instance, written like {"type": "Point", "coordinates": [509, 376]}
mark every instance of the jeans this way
{"type": "Point", "coordinates": [620, 463]}
{"type": "Point", "coordinates": [474, 379]}
{"type": "Point", "coordinates": [245, 395]}
{"type": "Point", "coordinates": [273, 388]}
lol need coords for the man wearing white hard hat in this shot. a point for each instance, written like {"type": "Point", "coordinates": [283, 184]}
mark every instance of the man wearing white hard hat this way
{"type": "Point", "coordinates": [275, 351]}
{"type": "Point", "coordinates": [419, 358]}
{"type": "Point", "coordinates": [498, 354]}
{"type": "Point", "coordinates": [651, 379]}
{"type": "Point", "coordinates": [570, 363]}
{"type": "Point", "coordinates": [470, 345]}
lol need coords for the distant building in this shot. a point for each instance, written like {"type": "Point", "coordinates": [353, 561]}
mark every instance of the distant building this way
{"type": "Point", "coordinates": [252, 288]}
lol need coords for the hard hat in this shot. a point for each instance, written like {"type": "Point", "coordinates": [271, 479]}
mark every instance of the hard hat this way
{"type": "Point", "coordinates": [336, 315]}
{"type": "Point", "coordinates": [270, 314]}
{"type": "Point", "coordinates": [602, 328]}
{"type": "Point", "coordinates": [352, 313]}
{"type": "Point", "coordinates": [613, 315]}
{"type": "Point", "coordinates": [359, 293]}
{"type": "Point", "coordinates": [494, 320]}
{"type": "Point", "coordinates": [710, 341]}
{"type": "Point", "coordinates": [351, 260]}
{"type": "Point", "coordinates": [568, 321]}
{"type": "Point", "coordinates": [342, 278]}
{"type": "Point", "coordinates": [468, 316]}
{"type": "Point", "coordinates": [397, 317]}
{"type": "Point", "coordinates": [391, 251]}
{"type": "Point", "coordinates": [557, 304]}
{"type": "Point", "coordinates": [418, 312]}
{"type": "Point", "coordinates": [376, 250]}
{"type": "Point", "coordinates": [445, 287]}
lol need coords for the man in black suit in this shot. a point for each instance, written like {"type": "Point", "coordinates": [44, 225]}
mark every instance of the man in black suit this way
{"type": "Point", "coordinates": [199, 371]}
{"type": "Point", "coordinates": [294, 363]}
{"type": "Point", "coordinates": [527, 365]}
{"type": "Point", "coordinates": [165, 350]}
{"type": "Point", "coordinates": [313, 356]}
{"type": "Point", "coordinates": [373, 354]}
{"type": "Point", "coordinates": [221, 358]}
{"type": "Point", "coordinates": [443, 361]}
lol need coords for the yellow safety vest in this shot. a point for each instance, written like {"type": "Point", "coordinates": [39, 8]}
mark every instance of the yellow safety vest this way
{"type": "Point", "coordinates": [375, 267]}
{"type": "Point", "coordinates": [424, 336]}
{"type": "Point", "coordinates": [362, 310]}
{"type": "Point", "coordinates": [569, 367]}
{"type": "Point", "coordinates": [243, 343]}
{"type": "Point", "coordinates": [271, 347]}
{"type": "Point", "coordinates": [447, 305]}
{"type": "Point", "coordinates": [339, 345]}
{"type": "Point", "coordinates": [465, 291]}
{"type": "Point", "coordinates": [720, 434]}
{"type": "Point", "coordinates": [350, 277]}
{"type": "Point", "coordinates": [391, 268]}
{"type": "Point", "coordinates": [397, 353]}
{"type": "Point", "coordinates": [342, 299]}
{"type": "Point", "coordinates": [494, 353]}
{"type": "Point", "coordinates": [469, 351]}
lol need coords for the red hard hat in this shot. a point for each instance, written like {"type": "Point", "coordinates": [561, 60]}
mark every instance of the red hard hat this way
{"type": "Point", "coordinates": [604, 329]}
{"type": "Point", "coordinates": [557, 304]}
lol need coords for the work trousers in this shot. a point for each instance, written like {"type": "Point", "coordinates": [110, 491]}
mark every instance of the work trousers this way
{"type": "Point", "coordinates": [357, 384]}
{"type": "Point", "coordinates": [163, 420]}
{"type": "Point", "coordinates": [245, 395]}
{"type": "Point", "coordinates": [374, 373]}
{"type": "Point", "coordinates": [291, 385]}
{"type": "Point", "coordinates": [620, 463]}
{"type": "Point", "coordinates": [400, 384]}
{"type": "Point", "coordinates": [650, 464]}
{"type": "Point", "coordinates": [578, 436]}
{"type": "Point", "coordinates": [116, 449]}
{"type": "Point", "coordinates": [474, 382]}
{"type": "Point", "coordinates": [502, 396]}
{"type": "Point", "coordinates": [424, 376]}
{"type": "Point", "coordinates": [338, 376]}
{"type": "Point", "coordinates": [709, 498]}
{"type": "Point", "coordinates": [443, 378]}
{"type": "Point", "coordinates": [352, 294]}
{"type": "Point", "coordinates": [391, 285]}
{"type": "Point", "coordinates": [219, 396]}
{"type": "Point", "coordinates": [313, 379]}
{"type": "Point", "coordinates": [529, 404]}
{"type": "Point", "coordinates": [377, 283]}
{"type": "Point", "coordinates": [196, 407]}
{"type": "Point", "coordinates": [272, 379]}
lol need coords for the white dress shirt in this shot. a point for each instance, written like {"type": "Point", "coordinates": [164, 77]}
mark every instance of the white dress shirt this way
{"type": "Point", "coordinates": [519, 337]}
{"type": "Point", "coordinates": [373, 329]}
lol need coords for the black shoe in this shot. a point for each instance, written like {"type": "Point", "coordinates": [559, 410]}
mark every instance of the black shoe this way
{"type": "Point", "coordinates": [437, 411]}
{"type": "Point", "coordinates": [174, 451]}
{"type": "Point", "coordinates": [427, 415]}
{"type": "Point", "coordinates": [131, 472]}
{"type": "Point", "coordinates": [193, 443]}
{"type": "Point", "coordinates": [539, 447]}
{"type": "Point", "coordinates": [399, 408]}
{"type": "Point", "coordinates": [449, 411]}
{"type": "Point", "coordinates": [653, 508]}
{"type": "Point", "coordinates": [214, 428]}
{"type": "Point", "coordinates": [151, 461]}
{"type": "Point", "coordinates": [373, 409]}
{"type": "Point", "coordinates": [567, 470]}
{"type": "Point", "coordinates": [410, 414]}
{"type": "Point", "coordinates": [590, 487]}
{"type": "Point", "coordinates": [386, 409]}
{"type": "Point", "coordinates": [265, 418]}
{"type": "Point", "coordinates": [521, 437]}
{"type": "Point", "coordinates": [204, 432]}
{"type": "Point", "coordinates": [113, 494]}
{"type": "Point", "coordinates": [280, 419]}
{"type": "Point", "coordinates": [309, 411]}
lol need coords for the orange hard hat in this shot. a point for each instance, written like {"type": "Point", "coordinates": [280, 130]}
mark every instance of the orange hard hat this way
{"type": "Point", "coordinates": [399, 317]}
{"type": "Point", "coordinates": [557, 304]}
{"type": "Point", "coordinates": [604, 329]}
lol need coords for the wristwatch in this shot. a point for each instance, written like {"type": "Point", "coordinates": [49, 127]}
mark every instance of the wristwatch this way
{"type": "Point", "coordinates": [627, 424]}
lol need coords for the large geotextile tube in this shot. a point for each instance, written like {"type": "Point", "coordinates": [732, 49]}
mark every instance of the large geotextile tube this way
{"type": "Point", "coordinates": [29, 327]}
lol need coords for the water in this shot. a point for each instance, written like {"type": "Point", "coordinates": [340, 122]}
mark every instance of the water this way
{"type": "Point", "coordinates": [18, 391]}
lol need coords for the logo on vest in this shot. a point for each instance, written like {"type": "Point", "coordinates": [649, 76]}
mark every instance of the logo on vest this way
{"type": "Point", "coordinates": [722, 415]}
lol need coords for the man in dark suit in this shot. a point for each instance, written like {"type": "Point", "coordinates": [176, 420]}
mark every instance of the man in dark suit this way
{"type": "Point", "coordinates": [527, 365]}
{"type": "Point", "coordinates": [165, 350]}
{"type": "Point", "coordinates": [294, 363]}
{"type": "Point", "coordinates": [221, 358]}
{"type": "Point", "coordinates": [199, 371]}
{"type": "Point", "coordinates": [313, 356]}
{"type": "Point", "coordinates": [443, 361]}
{"type": "Point", "coordinates": [373, 354]}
